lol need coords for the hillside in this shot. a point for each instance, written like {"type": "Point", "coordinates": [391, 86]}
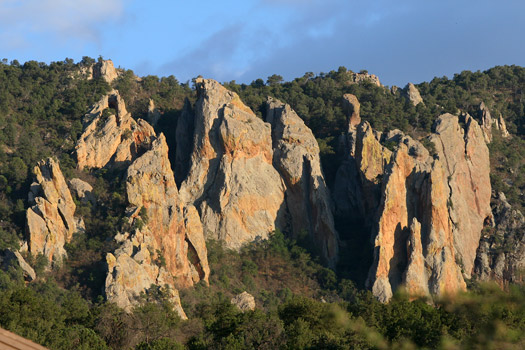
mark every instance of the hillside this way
{"type": "Point", "coordinates": [357, 215]}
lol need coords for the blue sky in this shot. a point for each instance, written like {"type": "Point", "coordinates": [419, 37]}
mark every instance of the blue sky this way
{"type": "Point", "coordinates": [400, 41]}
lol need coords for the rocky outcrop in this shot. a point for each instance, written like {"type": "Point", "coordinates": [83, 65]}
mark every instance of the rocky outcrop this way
{"type": "Point", "coordinates": [486, 122]}
{"type": "Point", "coordinates": [501, 253]}
{"type": "Point", "coordinates": [184, 142]}
{"type": "Point", "coordinates": [502, 126]}
{"type": "Point", "coordinates": [153, 113]}
{"type": "Point", "coordinates": [465, 157]}
{"type": "Point", "coordinates": [358, 78]}
{"type": "Point", "coordinates": [231, 179]}
{"type": "Point", "coordinates": [420, 257]}
{"type": "Point", "coordinates": [351, 107]}
{"type": "Point", "coordinates": [244, 301]}
{"type": "Point", "coordinates": [50, 219]}
{"type": "Point", "coordinates": [296, 156]}
{"type": "Point", "coordinates": [104, 69]}
{"type": "Point", "coordinates": [412, 94]}
{"type": "Point", "coordinates": [166, 244]}
{"type": "Point", "coordinates": [10, 257]}
{"type": "Point", "coordinates": [82, 190]}
{"type": "Point", "coordinates": [111, 135]}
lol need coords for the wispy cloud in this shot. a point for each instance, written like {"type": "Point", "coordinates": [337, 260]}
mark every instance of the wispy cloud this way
{"type": "Point", "coordinates": [61, 21]}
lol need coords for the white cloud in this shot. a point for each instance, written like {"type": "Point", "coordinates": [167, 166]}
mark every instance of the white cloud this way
{"type": "Point", "coordinates": [62, 20]}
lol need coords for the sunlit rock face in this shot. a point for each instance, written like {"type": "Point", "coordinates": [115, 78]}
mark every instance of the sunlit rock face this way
{"type": "Point", "coordinates": [166, 245]}
{"type": "Point", "coordinates": [111, 136]}
{"type": "Point", "coordinates": [50, 219]}
{"type": "Point", "coordinates": [230, 177]}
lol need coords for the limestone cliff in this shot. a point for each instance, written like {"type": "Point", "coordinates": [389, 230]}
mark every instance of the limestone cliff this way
{"type": "Point", "coordinates": [230, 176]}
{"type": "Point", "coordinates": [50, 219]}
{"type": "Point", "coordinates": [166, 244]}
{"type": "Point", "coordinates": [110, 134]}
{"type": "Point", "coordinates": [296, 156]}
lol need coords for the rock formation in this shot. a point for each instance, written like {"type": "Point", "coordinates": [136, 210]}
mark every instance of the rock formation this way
{"type": "Point", "coordinates": [166, 246]}
{"type": "Point", "coordinates": [82, 190]}
{"type": "Point", "coordinates": [110, 134]}
{"type": "Point", "coordinates": [502, 126]}
{"type": "Point", "coordinates": [10, 257]}
{"type": "Point", "coordinates": [414, 192]}
{"type": "Point", "coordinates": [153, 113]}
{"type": "Point", "coordinates": [351, 107]}
{"type": "Point", "coordinates": [105, 69]}
{"type": "Point", "coordinates": [296, 156]}
{"type": "Point", "coordinates": [486, 122]}
{"type": "Point", "coordinates": [230, 179]}
{"type": "Point", "coordinates": [50, 220]}
{"type": "Point", "coordinates": [501, 253]}
{"type": "Point", "coordinates": [244, 301]}
{"type": "Point", "coordinates": [412, 94]}
{"type": "Point", "coordinates": [465, 158]}
{"type": "Point", "coordinates": [357, 78]}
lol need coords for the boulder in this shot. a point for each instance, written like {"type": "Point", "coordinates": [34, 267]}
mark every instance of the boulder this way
{"type": "Point", "coordinates": [296, 156]}
{"type": "Point", "coordinates": [412, 94]}
{"type": "Point", "coordinates": [82, 190]}
{"type": "Point", "coordinates": [244, 301]}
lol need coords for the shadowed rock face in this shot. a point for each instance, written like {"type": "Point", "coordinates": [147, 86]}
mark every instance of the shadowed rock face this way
{"type": "Point", "coordinates": [296, 156]}
{"type": "Point", "coordinates": [230, 179]}
{"type": "Point", "coordinates": [50, 221]}
{"type": "Point", "coordinates": [501, 253]}
{"type": "Point", "coordinates": [426, 213]}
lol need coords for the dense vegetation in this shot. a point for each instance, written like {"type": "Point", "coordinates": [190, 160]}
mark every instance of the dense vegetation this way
{"type": "Point", "coordinates": [301, 305]}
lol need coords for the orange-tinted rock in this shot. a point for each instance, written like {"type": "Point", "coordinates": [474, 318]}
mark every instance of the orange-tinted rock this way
{"type": "Point", "coordinates": [50, 221]}
{"type": "Point", "coordinates": [351, 107]}
{"type": "Point", "coordinates": [465, 157]}
{"type": "Point", "coordinates": [110, 134]}
{"type": "Point", "coordinates": [230, 176]}
{"type": "Point", "coordinates": [166, 246]}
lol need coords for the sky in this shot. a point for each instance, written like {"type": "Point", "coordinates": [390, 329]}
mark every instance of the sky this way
{"type": "Point", "coordinates": [400, 41]}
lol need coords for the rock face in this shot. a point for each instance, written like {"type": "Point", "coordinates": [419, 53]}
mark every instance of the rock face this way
{"type": "Point", "coordinates": [501, 253]}
{"type": "Point", "coordinates": [412, 93]}
{"type": "Point", "coordinates": [231, 179]}
{"type": "Point", "coordinates": [296, 156]}
{"type": "Point", "coordinates": [351, 107]}
{"type": "Point", "coordinates": [405, 250]}
{"type": "Point", "coordinates": [166, 246]}
{"type": "Point", "coordinates": [486, 122]}
{"type": "Point", "coordinates": [9, 257]}
{"type": "Point", "coordinates": [428, 211]}
{"type": "Point", "coordinates": [50, 221]}
{"type": "Point", "coordinates": [465, 158]}
{"type": "Point", "coordinates": [111, 135]}
{"type": "Point", "coordinates": [244, 301]}
{"type": "Point", "coordinates": [106, 70]}
{"type": "Point", "coordinates": [153, 113]}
